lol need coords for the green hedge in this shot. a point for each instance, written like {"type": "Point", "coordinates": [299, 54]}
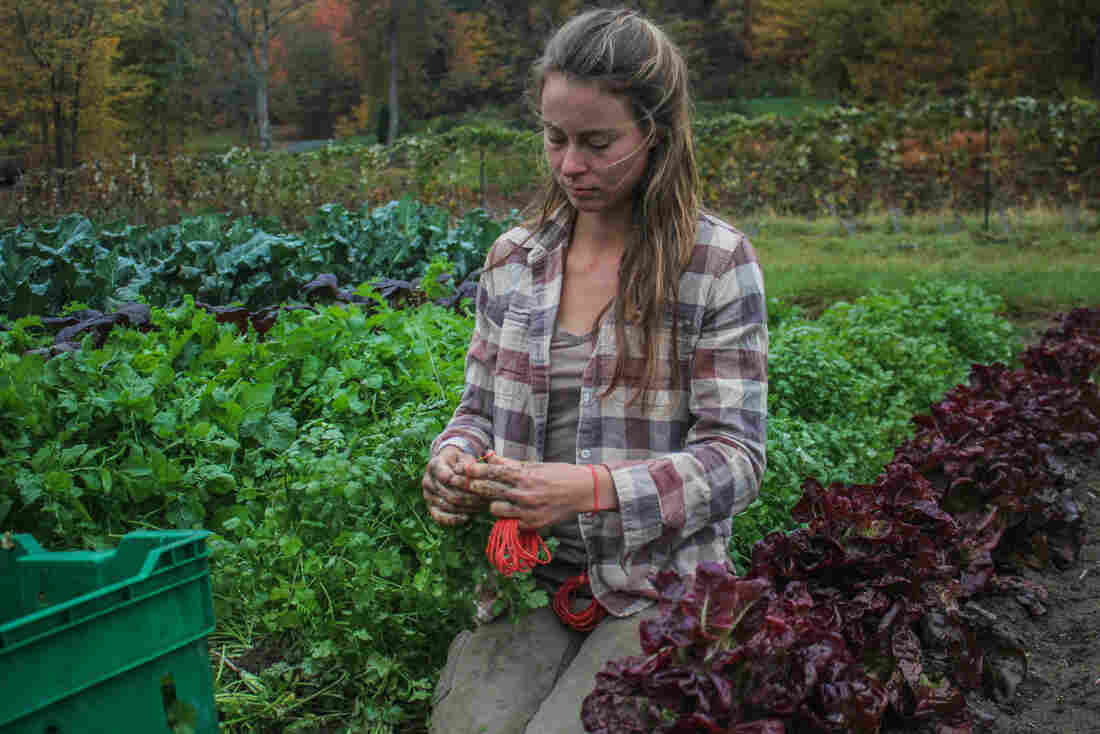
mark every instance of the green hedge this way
{"type": "Point", "coordinates": [841, 159]}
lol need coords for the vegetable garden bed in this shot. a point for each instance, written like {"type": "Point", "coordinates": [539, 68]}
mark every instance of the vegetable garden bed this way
{"type": "Point", "coordinates": [298, 430]}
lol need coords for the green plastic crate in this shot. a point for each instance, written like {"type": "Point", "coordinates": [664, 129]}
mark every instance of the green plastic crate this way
{"type": "Point", "coordinates": [107, 641]}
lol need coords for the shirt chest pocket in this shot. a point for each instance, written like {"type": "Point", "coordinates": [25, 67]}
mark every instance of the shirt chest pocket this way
{"type": "Point", "coordinates": [656, 404]}
{"type": "Point", "coordinates": [669, 394]}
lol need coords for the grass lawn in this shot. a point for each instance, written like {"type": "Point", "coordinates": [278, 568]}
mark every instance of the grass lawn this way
{"type": "Point", "coordinates": [1039, 261]}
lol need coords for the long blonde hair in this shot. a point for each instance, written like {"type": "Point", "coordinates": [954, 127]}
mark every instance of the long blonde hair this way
{"type": "Point", "coordinates": [625, 54]}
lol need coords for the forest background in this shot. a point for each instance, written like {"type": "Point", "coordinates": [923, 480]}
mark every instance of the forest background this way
{"type": "Point", "coordinates": [94, 79]}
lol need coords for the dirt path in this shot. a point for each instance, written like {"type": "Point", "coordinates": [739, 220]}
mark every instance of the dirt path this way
{"type": "Point", "coordinates": [1055, 688]}
{"type": "Point", "coordinates": [1060, 692]}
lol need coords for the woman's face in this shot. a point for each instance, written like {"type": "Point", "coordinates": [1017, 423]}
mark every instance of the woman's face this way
{"type": "Point", "coordinates": [596, 150]}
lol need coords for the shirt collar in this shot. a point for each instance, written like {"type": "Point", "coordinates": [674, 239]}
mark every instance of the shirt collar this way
{"type": "Point", "coordinates": [554, 234]}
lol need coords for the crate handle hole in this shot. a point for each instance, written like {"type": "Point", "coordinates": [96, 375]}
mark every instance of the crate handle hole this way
{"type": "Point", "coordinates": [53, 729]}
{"type": "Point", "coordinates": [178, 714]}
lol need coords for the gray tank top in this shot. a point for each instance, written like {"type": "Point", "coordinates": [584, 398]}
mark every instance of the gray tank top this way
{"type": "Point", "coordinates": [569, 353]}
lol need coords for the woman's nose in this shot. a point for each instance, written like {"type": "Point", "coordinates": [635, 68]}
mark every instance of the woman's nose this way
{"type": "Point", "coordinates": [572, 161]}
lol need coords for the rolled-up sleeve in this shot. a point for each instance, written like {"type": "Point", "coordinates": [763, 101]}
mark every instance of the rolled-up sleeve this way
{"type": "Point", "coordinates": [471, 427]}
{"type": "Point", "coordinates": [718, 472]}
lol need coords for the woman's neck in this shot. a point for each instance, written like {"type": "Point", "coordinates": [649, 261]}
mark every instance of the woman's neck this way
{"type": "Point", "coordinates": [596, 237]}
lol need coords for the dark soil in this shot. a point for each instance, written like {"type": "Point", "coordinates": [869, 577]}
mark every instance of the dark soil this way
{"type": "Point", "coordinates": [1060, 687]}
{"type": "Point", "coordinates": [1042, 657]}
{"type": "Point", "coordinates": [1058, 690]}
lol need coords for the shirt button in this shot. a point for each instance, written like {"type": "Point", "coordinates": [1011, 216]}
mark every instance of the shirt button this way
{"type": "Point", "coordinates": [586, 453]}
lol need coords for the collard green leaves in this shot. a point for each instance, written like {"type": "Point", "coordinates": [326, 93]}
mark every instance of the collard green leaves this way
{"type": "Point", "coordinates": [220, 261]}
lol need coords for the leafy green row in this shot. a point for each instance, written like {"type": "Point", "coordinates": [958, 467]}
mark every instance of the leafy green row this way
{"type": "Point", "coordinates": [842, 387]}
{"type": "Point", "coordinates": [221, 261]}
{"type": "Point", "coordinates": [304, 452]}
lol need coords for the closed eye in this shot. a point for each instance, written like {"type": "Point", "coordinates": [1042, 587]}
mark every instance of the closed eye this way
{"type": "Point", "coordinates": [597, 141]}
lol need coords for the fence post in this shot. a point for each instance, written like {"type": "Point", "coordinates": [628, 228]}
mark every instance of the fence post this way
{"type": "Point", "coordinates": [481, 178]}
{"type": "Point", "coordinates": [988, 161]}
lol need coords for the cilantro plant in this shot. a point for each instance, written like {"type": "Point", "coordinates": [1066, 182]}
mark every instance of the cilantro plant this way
{"type": "Point", "coordinates": [303, 451]}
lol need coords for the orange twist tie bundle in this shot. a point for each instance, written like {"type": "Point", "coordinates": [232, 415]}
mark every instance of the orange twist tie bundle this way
{"type": "Point", "coordinates": [513, 551]}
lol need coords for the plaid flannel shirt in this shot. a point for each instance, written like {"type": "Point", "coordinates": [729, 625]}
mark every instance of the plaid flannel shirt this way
{"type": "Point", "coordinates": [684, 465]}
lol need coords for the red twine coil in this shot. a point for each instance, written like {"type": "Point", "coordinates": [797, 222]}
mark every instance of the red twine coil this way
{"type": "Point", "coordinates": [582, 621]}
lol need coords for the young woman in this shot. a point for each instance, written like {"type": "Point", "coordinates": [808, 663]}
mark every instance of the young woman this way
{"type": "Point", "coordinates": [617, 371]}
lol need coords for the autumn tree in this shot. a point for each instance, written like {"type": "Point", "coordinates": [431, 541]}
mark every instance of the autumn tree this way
{"type": "Point", "coordinates": [12, 75]}
{"type": "Point", "coordinates": [714, 36]}
{"type": "Point", "coordinates": [820, 40]}
{"type": "Point", "coordinates": [171, 53]}
{"type": "Point", "coordinates": [891, 48]}
{"type": "Point", "coordinates": [324, 71]}
{"type": "Point", "coordinates": [408, 47]}
{"type": "Point", "coordinates": [883, 49]}
{"type": "Point", "coordinates": [253, 25]}
{"type": "Point", "coordinates": [393, 41]}
{"type": "Point", "coordinates": [63, 59]}
{"type": "Point", "coordinates": [515, 35]}
{"type": "Point", "coordinates": [1040, 47]}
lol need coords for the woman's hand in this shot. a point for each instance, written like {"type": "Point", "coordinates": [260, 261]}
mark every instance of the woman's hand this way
{"type": "Point", "coordinates": [445, 488]}
{"type": "Point", "coordinates": [537, 494]}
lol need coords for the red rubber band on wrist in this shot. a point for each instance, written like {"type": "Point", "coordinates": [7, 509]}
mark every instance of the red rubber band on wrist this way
{"type": "Point", "coordinates": [595, 489]}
